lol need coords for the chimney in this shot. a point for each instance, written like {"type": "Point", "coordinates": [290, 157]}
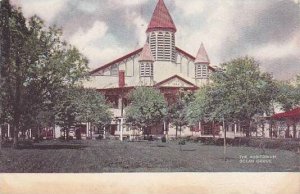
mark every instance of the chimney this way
{"type": "Point", "coordinates": [121, 78]}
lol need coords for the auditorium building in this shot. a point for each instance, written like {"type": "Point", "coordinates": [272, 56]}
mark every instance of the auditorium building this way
{"type": "Point", "coordinates": [160, 64]}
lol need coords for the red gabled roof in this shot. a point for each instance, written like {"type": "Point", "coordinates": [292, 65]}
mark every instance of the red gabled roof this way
{"type": "Point", "coordinates": [293, 114]}
{"type": "Point", "coordinates": [173, 77]}
{"type": "Point", "coordinates": [116, 61]}
{"type": "Point", "coordinates": [202, 56]}
{"type": "Point", "coordinates": [161, 18]}
{"type": "Point", "coordinates": [146, 54]}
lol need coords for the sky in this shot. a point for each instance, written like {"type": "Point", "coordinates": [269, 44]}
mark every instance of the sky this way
{"type": "Point", "coordinates": [104, 30]}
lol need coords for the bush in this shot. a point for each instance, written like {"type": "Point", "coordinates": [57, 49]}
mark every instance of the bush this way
{"type": "Point", "coordinates": [62, 138]}
{"type": "Point", "coordinates": [100, 137]}
{"type": "Point", "coordinates": [283, 144]}
{"type": "Point", "coordinates": [6, 142]}
{"type": "Point", "coordinates": [182, 142]}
{"type": "Point", "coordinates": [24, 143]}
{"type": "Point", "coordinates": [164, 139]}
{"type": "Point", "coordinates": [207, 140]}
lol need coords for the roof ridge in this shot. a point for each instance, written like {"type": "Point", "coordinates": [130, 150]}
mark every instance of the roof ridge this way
{"type": "Point", "coordinates": [115, 61]}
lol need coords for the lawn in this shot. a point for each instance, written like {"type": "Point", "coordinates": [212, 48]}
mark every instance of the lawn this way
{"type": "Point", "coordinates": [115, 156]}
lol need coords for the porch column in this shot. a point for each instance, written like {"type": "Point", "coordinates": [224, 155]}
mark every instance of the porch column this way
{"type": "Point", "coordinates": [87, 129]}
{"type": "Point", "coordinates": [120, 102]}
{"type": "Point", "coordinates": [104, 132]}
{"type": "Point", "coordinates": [8, 130]}
{"type": "Point", "coordinates": [200, 128]}
{"type": "Point", "coordinates": [121, 129]}
{"type": "Point", "coordinates": [235, 129]}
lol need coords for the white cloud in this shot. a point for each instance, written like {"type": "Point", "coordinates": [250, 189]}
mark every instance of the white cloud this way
{"type": "Point", "coordinates": [46, 9]}
{"type": "Point", "coordinates": [86, 6]}
{"type": "Point", "coordinates": [190, 7]}
{"type": "Point", "coordinates": [135, 19]}
{"type": "Point", "coordinates": [276, 51]}
{"type": "Point", "coordinates": [85, 38]}
{"type": "Point", "coordinates": [96, 44]}
{"type": "Point", "coordinates": [218, 28]}
{"type": "Point", "coordinates": [127, 2]}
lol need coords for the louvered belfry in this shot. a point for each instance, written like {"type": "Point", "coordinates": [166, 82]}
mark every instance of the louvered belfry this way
{"type": "Point", "coordinates": [161, 34]}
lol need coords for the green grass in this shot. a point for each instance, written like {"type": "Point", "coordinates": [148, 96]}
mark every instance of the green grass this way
{"type": "Point", "coordinates": [115, 156]}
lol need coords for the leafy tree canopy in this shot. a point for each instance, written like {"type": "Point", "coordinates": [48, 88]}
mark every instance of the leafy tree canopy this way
{"type": "Point", "coordinates": [237, 93]}
{"type": "Point", "coordinates": [148, 107]}
{"type": "Point", "coordinates": [36, 63]}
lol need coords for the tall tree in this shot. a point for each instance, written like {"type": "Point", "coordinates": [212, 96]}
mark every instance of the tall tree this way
{"type": "Point", "coordinates": [78, 105]}
{"type": "Point", "coordinates": [148, 108]}
{"type": "Point", "coordinates": [177, 112]}
{"type": "Point", "coordinates": [37, 64]}
{"type": "Point", "coordinates": [288, 97]}
{"type": "Point", "coordinates": [238, 93]}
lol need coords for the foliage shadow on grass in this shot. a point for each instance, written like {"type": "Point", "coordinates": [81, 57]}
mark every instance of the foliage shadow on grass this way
{"type": "Point", "coordinates": [53, 147]}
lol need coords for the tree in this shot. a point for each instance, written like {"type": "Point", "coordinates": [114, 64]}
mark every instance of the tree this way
{"type": "Point", "coordinates": [78, 105]}
{"type": "Point", "coordinates": [288, 97]}
{"type": "Point", "coordinates": [37, 63]}
{"type": "Point", "coordinates": [199, 109]}
{"type": "Point", "coordinates": [148, 108]}
{"type": "Point", "coordinates": [93, 108]}
{"type": "Point", "coordinates": [236, 94]}
{"type": "Point", "coordinates": [177, 112]}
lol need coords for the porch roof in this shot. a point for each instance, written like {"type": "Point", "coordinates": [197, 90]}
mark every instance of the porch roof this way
{"type": "Point", "coordinates": [292, 114]}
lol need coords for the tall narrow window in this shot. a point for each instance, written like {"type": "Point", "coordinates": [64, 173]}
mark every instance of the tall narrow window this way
{"type": "Point", "coordinates": [114, 70]}
{"type": "Point", "coordinates": [167, 47]}
{"type": "Point", "coordinates": [160, 46]}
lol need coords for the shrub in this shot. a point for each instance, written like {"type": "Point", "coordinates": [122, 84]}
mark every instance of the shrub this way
{"type": "Point", "coordinates": [62, 138]}
{"type": "Point", "coordinates": [25, 143]}
{"type": "Point", "coordinates": [182, 142]}
{"type": "Point", "coordinates": [100, 137]}
{"type": "Point", "coordinates": [283, 144]}
{"type": "Point", "coordinates": [164, 139]}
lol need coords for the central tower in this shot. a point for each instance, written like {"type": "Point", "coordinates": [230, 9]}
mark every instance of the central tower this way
{"type": "Point", "coordinates": [161, 34]}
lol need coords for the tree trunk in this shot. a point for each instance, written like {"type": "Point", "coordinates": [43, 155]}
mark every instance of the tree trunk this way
{"type": "Point", "coordinates": [287, 132]}
{"type": "Point", "coordinates": [180, 128]}
{"type": "Point", "coordinates": [1, 137]}
{"type": "Point", "coordinates": [213, 130]}
{"type": "Point", "coordinates": [271, 130]}
{"type": "Point", "coordinates": [17, 102]}
{"type": "Point", "coordinates": [248, 129]}
{"type": "Point", "coordinates": [67, 134]}
{"type": "Point", "coordinates": [294, 131]}
{"type": "Point", "coordinates": [15, 139]}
